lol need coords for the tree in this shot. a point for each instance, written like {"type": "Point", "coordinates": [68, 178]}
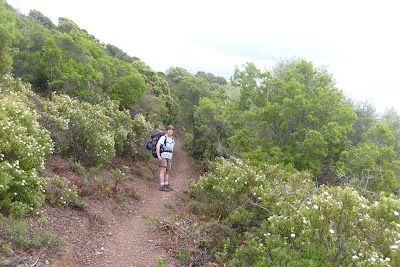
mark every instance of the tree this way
{"type": "Point", "coordinates": [371, 165]}
{"type": "Point", "coordinates": [366, 119]}
{"type": "Point", "coordinates": [253, 86]}
{"type": "Point", "coordinates": [392, 118]}
{"type": "Point", "coordinates": [9, 36]}
{"type": "Point", "coordinates": [297, 111]}
{"type": "Point", "coordinates": [155, 83]}
{"type": "Point", "coordinates": [128, 90]}
{"type": "Point", "coordinates": [116, 52]}
{"type": "Point", "coordinates": [211, 132]}
{"type": "Point", "coordinates": [66, 25]}
{"type": "Point", "coordinates": [42, 19]}
{"type": "Point", "coordinates": [211, 78]}
{"type": "Point", "coordinates": [53, 57]}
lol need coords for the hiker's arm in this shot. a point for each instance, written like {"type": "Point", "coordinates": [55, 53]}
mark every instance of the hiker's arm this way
{"type": "Point", "coordinates": [158, 150]}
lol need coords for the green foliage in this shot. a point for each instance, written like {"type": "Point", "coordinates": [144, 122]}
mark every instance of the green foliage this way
{"type": "Point", "coordinates": [392, 118]}
{"type": "Point", "coordinates": [264, 212]}
{"type": "Point", "coordinates": [160, 262]}
{"type": "Point", "coordinates": [154, 81]}
{"type": "Point", "coordinates": [120, 175]}
{"type": "Point", "coordinates": [366, 119]}
{"type": "Point", "coordinates": [23, 147]}
{"type": "Point", "coordinates": [9, 37]}
{"type": "Point", "coordinates": [42, 19]}
{"type": "Point", "coordinates": [76, 167]}
{"type": "Point", "coordinates": [59, 191]}
{"type": "Point", "coordinates": [294, 110]}
{"type": "Point", "coordinates": [277, 218]}
{"type": "Point", "coordinates": [188, 90]}
{"type": "Point", "coordinates": [80, 129]}
{"type": "Point", "coordinates": [211, 130]}
{"type": "Point", "coordinates": [92, 133]}
{"type": "Point", "coordinates": [19, 234]}
{"type": "Point", "coordinates": [67, 59]}
{"type": "Point", "coordinates": [128, 90]}
{"type": "Point", "coordinates": [147, 173]}
{"type": "Point", "coordinates": [253, 86]}
{"type": "Point", "coordinates": [369, 167]}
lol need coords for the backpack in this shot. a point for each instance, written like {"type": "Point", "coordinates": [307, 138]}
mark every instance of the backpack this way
{"type": "Point", "coordinates": [152, 144]}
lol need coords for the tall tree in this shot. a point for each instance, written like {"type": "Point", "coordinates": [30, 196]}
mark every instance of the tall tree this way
{"type": "Point", "coordinates": [367, 118]}
{"type": "Point", "coordinates": [371, 165]}
{"type": "Point", "coordinates": [128, 90]}
{"type": "Point", "coordinates": [392, 118]}
{"type": "Point", "coordinates": [9, 36]}
{"type": "Point", "coordinates": [253, 84]}
{"type": "Point", "coordinates": [297, 111]}
{"type": "Point", "coordinates": [42, 19]}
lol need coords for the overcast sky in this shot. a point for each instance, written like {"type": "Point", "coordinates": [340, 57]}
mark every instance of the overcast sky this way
{"type": "Point", "coordinates": [357, 40]}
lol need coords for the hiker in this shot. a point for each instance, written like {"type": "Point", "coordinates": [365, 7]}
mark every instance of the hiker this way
{"type": "Point", "coordinates": [165, 158]}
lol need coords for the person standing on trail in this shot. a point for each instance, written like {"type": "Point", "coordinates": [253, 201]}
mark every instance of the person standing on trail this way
{"type": "Point", "coordinates": [166, 142]}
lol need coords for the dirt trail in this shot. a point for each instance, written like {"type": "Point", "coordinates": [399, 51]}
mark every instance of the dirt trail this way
{"type": "Point", "coordinates": [132, 242]}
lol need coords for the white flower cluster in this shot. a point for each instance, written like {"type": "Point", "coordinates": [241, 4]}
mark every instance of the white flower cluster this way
{"type": "Point", "coordinates": [23, 143]}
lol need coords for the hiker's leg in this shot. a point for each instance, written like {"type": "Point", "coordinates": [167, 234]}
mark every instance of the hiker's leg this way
{"type": "Point", "coordinates": [162, 175]}
{"type": "Point", "coordinates": [166, 176]}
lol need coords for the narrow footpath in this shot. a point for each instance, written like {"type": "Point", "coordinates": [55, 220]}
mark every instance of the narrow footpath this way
{"type": "Point", "coordinates": [133, 242]}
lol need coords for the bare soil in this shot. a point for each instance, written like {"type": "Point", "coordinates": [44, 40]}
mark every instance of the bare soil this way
{"type": "Point", "coordinates": [108, 233]}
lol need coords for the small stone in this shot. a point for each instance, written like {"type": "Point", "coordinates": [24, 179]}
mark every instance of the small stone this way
{"type": "Point", "coordinates": [110, 234]}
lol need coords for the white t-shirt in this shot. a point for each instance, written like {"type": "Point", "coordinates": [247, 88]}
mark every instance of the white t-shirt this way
{"type": "Point", "coordinates": [169, 146]}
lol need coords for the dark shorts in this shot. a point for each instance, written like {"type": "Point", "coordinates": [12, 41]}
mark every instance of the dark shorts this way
{"type": "Point", "coordinates": [165, 163]}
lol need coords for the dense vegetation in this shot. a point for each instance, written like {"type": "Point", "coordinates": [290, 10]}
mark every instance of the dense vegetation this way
{"type": "Point", "coordinates": [298, 174]}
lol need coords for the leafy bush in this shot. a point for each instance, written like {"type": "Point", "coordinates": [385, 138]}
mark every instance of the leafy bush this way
{"type": "Point", "coordinates": [130, 135]}
{"type": "Point", "coordinates": [272, 217]}
{"type": "Point", "coordinates": [59, 191]}
{"type": "Point", "coordinates": [21, 234]}
{"type": "Point", "coordinates": [90, 133]}
{"type": "Point", "coordinates": [79, 129]}
{"type": "Point", "coordinates": [23, 147]}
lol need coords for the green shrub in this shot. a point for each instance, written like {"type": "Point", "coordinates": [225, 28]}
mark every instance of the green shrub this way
{"type": "Point", "coordinates": [59, 191]}
{"type": "Point", "coordinates": [275, 218]}
{"type": "Point", "coordinates": [79, 129]}
{"type": "Point", "coordinates": [77, 167]}
{"type": "Point", "coordinates": [21, 235]}
{"type": "Point", "coordinates": [23, 147]}
{"type": "Point", "coordinates": [119, 175]}
{"type": "Point", "coordinates": [90, 133]}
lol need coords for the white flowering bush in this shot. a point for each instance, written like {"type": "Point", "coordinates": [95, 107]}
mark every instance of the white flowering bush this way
{"type": "Point", "coordinates": [275, 218]}
{"type": "Point", "coordinates": [23, 147]}
{"type": "Point", "coordinates": [130, 134]}
{"type": "Point", "coordinates": [92, 133]}
{"type": "Point", "coordinates": [87, 136]}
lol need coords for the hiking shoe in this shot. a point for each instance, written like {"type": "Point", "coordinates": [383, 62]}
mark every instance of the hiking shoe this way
{"type": "Point", "coordinates": [164, 188]}
{"type": "Point", "coordinates": [169, 188]}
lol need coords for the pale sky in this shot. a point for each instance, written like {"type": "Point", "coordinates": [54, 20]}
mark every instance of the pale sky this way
{"type": "Point", "coordinates": [357, 40]}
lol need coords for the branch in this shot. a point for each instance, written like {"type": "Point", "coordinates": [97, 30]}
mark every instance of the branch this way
{"type": "Point", "coordinates": [258, 205]}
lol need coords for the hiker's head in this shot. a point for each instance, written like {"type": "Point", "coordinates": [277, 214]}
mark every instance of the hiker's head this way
{"type": "Point", "coordinates": [170, 130]}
